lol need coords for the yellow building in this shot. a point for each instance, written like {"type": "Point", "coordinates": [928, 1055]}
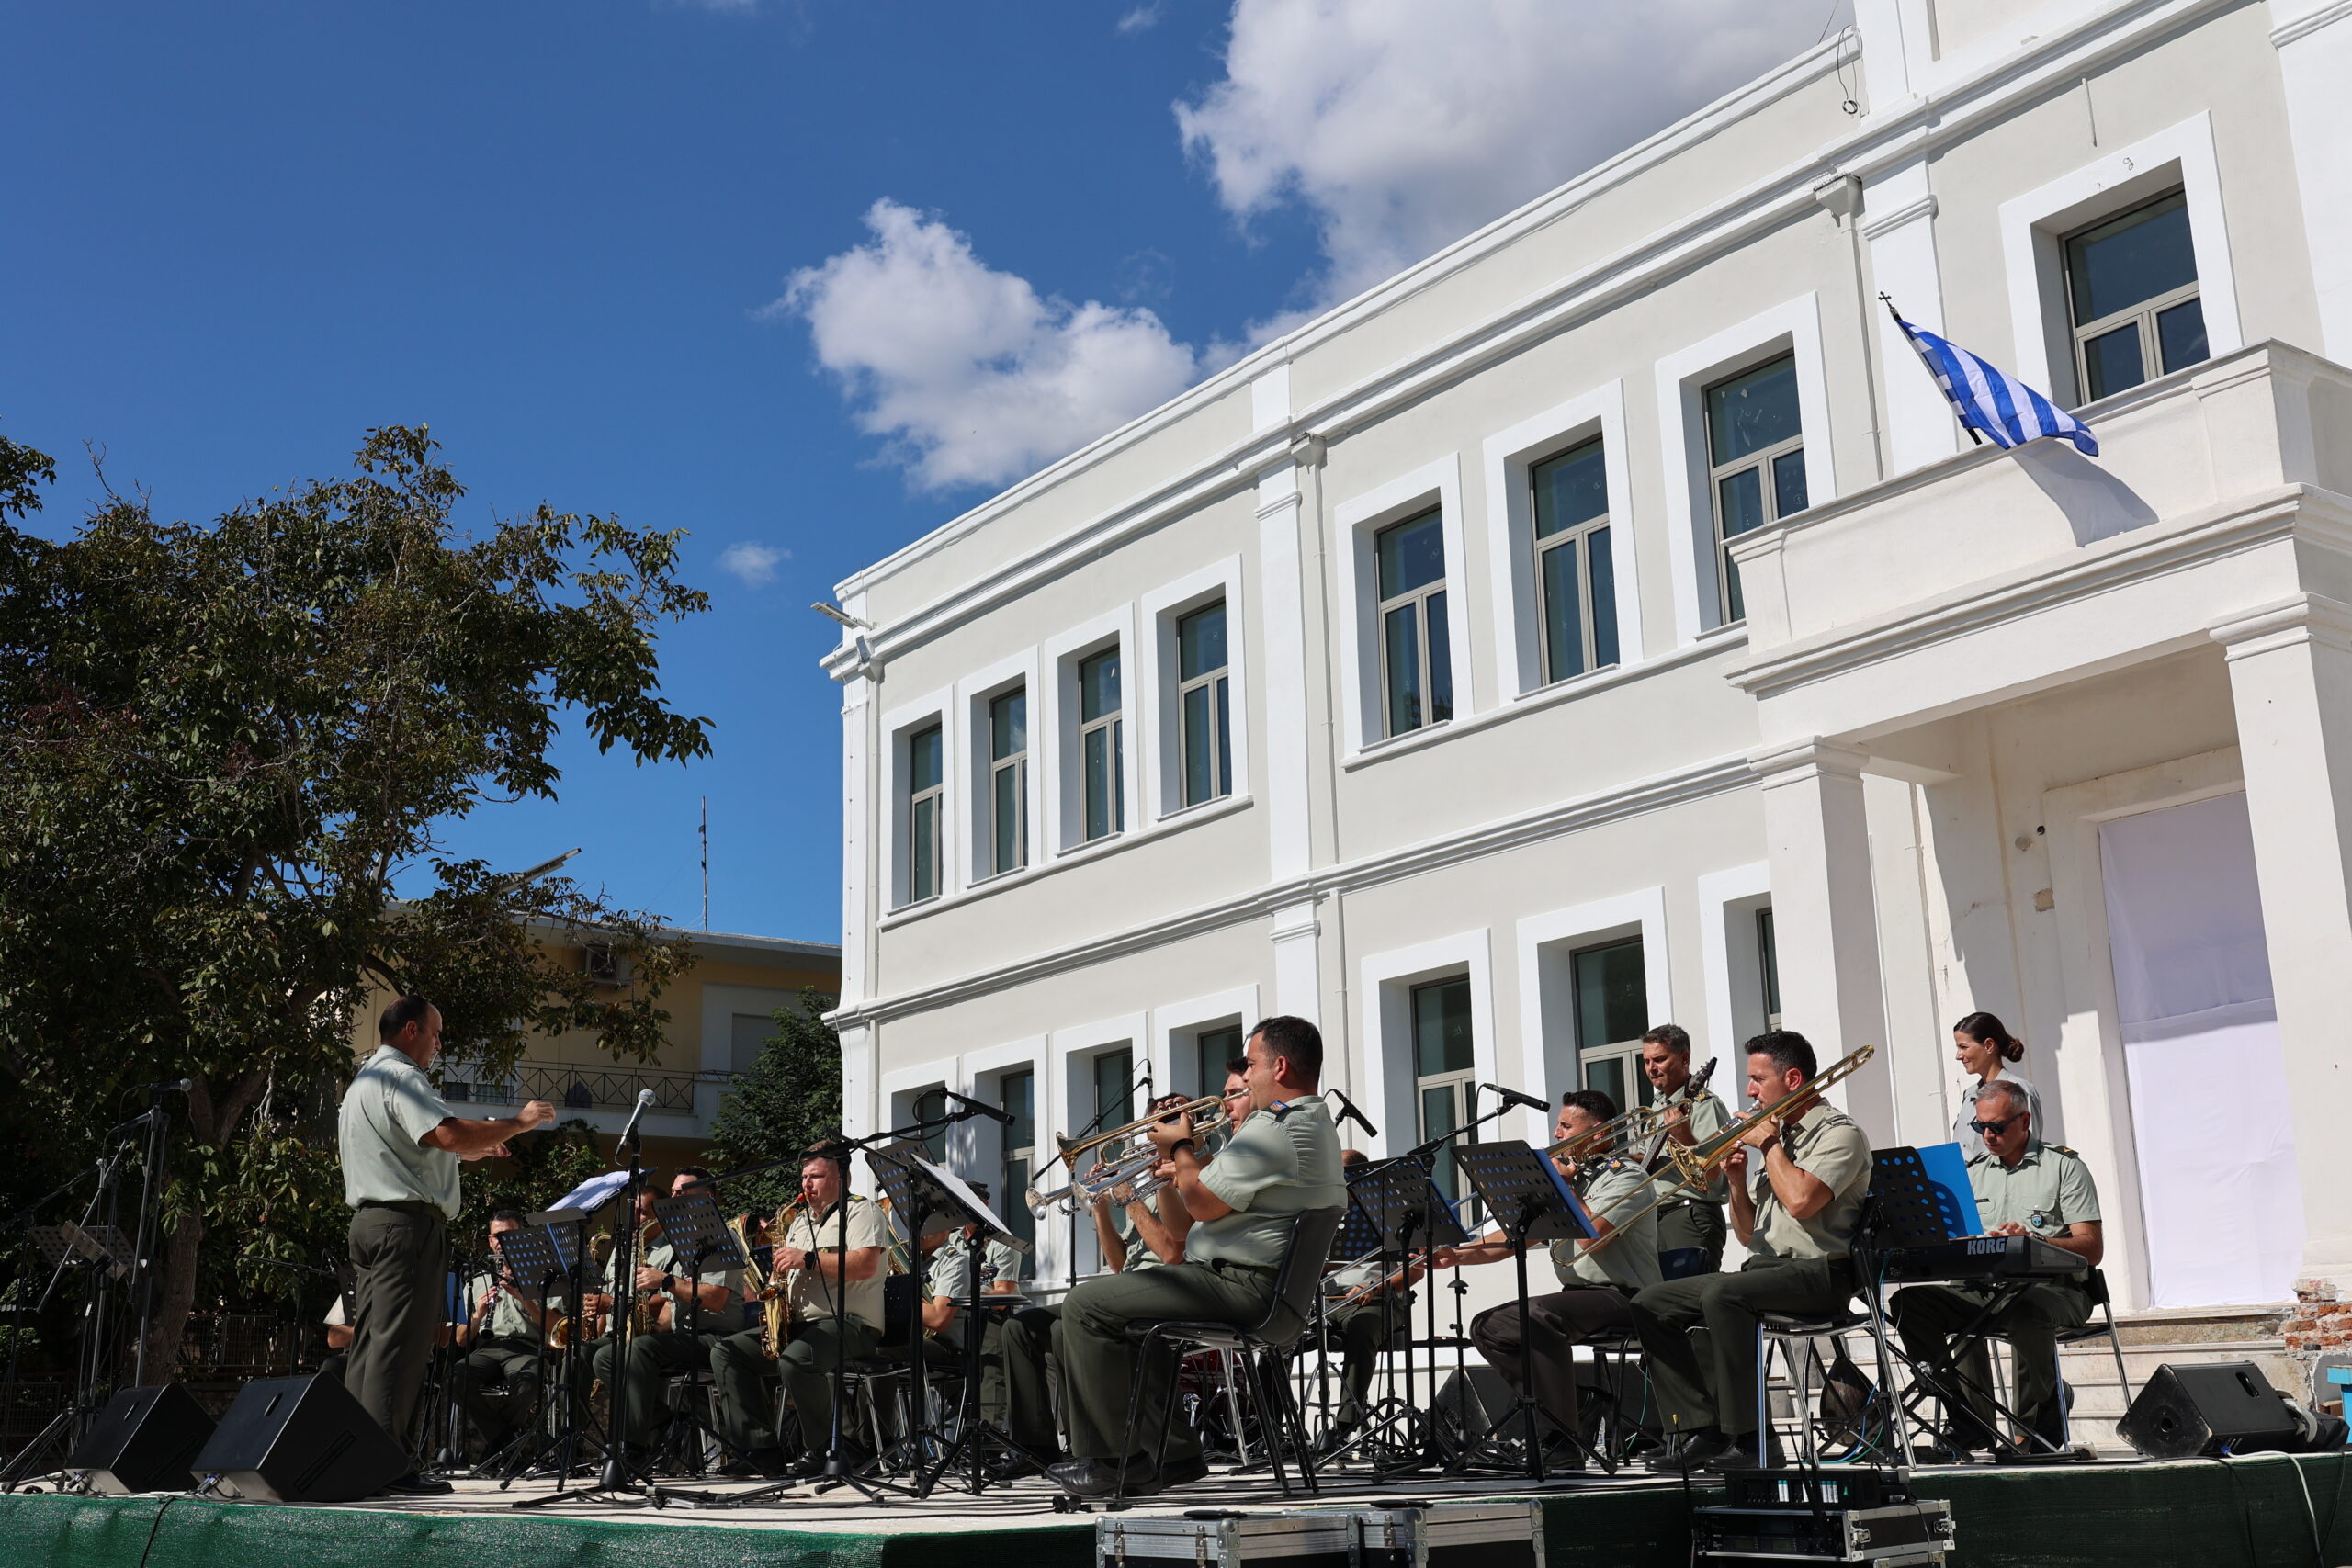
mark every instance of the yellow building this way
{"type": "Point", "coordinates": [719, 1015]}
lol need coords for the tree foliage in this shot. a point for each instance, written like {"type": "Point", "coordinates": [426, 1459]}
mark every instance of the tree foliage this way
{"type": "Point", "coordinates": [791, 1097]}
{"type": "Point", "coordinates": [226, 745]}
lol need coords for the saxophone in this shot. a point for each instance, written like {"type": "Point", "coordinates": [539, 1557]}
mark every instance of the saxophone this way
{"type": "Point", "coordinates": [646, 1313]}
{"type": "Point", "coordinates": [775, 1313]}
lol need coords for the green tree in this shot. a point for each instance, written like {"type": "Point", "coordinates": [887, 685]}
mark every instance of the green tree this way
{"type": "Point", "coordinates": [791, 1097]}
{"type": "Point", "coordinates": [229, 749]}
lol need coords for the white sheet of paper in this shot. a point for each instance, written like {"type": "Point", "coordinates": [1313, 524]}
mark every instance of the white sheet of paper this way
{"type": "Point", "coordinates": [594, 1193]}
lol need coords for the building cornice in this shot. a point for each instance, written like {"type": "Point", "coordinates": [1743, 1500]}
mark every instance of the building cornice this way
{"type": "Point", "coordinates": [1917, 128]}
{"type": "Point", "coordinates": [1700, 781]}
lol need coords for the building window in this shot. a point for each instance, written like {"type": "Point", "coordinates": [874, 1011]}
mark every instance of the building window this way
{"type": "Point", "coordinates": [1008, 782]}
{"type": "Point", "coordinates": [1416, 660]}
{"type": "Point", "coordinates": [1114, 1089]}
{"type": "Point", "coordinates": [1445, 1064]}
{"type": "Point", "coordinates": [1017, 1096]}
{"type": "Point", "coordinates": [1205, 739]}
{"type": "Point", "coordinates": [1576, 582]}
{"type": "Point", "coordinates": [2131, 291]}
{"type": "Point", "coordinates": [925, 800]}
{"type": "Point", "coordinates": [1756, 458]}
{"type": "Point", "coordinates": [748, 1037]}
{"type": "Point", "coordinates": [1767, 967]}
{"type": "Point", "coordinates": [930, 1105]}
{"type": "Point", "coordinates": [1212, 1049]}
{"type": "Point", "coordinates": [1612, 1006]}
{"type": "Point", "coordinates": [1102, 760]}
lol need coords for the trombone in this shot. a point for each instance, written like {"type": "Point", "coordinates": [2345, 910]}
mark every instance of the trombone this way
{"type": "Point", "coordinates": [1628, 1128]}
{"type": "Point", "coordinates": [1696, 1166]}
{"type": "Point", "coordinates": [1122, 1157]}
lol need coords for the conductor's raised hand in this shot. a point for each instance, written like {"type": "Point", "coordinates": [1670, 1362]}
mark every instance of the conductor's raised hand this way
{"type": "Point", "coordinates": [536, 1113]}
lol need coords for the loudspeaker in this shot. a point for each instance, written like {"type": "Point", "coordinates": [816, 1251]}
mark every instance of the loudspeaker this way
{"type": "Point", "coordinates": [1473, 1400]}
{"type": "Point", "coordinates": [143, 1441]}
{"type": "Point", "coordinates": [2225, 1407]}
{"type": "Point", "coordinates": [301, 1440]}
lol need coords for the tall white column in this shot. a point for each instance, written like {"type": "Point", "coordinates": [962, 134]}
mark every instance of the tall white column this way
{"type": "Point", "coordinates": [2315, 42]}
{"type": "Point", "coordinates": [1824, 925]}
{"type": "Point", "coordinates": [2290, 679]}
{"type": "Point", "coordinates": [1280, 673]}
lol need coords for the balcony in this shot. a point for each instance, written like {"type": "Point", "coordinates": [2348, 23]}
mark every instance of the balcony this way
{"type": "Point", "coordinates": [586, 1089]}
{"type": "Point", "coordinates": [1993, 574]}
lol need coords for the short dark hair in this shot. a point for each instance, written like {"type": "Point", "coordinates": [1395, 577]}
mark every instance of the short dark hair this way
{"type": "Point", "coordinates": [833, 1149]}
{"type": "Point", "coordinates": [1673, 1036]}
{"type": "Point", "coordinates": [507, 1217]}
{"type": "Point", "coordinates": [404, 1011]}
{"type": "Point", "coordinates": [1350, 1159]}
{"type": "Point", "coordinates": [1295, 1041]}
{"type": "Point", "coordinates": [695, 1171]}
{"type": "Point", "coordinates": [2008, 1089]}
{"type": "Point", "coordinates": [1592, 1103]}
{"type": "Point", "coordinates": [1788, 1049]}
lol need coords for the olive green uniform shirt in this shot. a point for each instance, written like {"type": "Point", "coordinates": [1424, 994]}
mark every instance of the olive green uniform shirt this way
{"type": "Point", "coordinates": [1708, 1116]}
{"type": "Point", "coordinates": [1139, 1252]}
{"type": "Point", "coordinates": [949, 1274]}
{"type": "Point", "coordinates": [813, 1294]}
{"type": "Point", "coordinates": [387, 1109]}
{"type": "Point", "coordinates": [1828, 1146]}
{"type": "Point", "coordinates": [507, 1318]}
{"type": "Point", "coordinates": [2049, 1188]}
{"type": "Point", "coordinates": [1284, 1161]}
{"type": "Point", "coordinates": [1616, 1190]}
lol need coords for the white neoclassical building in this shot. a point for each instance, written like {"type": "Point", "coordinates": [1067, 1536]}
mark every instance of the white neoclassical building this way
{"type": "Point", "coordinates": [1605, 622]}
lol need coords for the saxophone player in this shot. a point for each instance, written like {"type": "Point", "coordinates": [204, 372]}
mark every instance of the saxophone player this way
{"type": "Point", "coordinates": [677, 1321]}
{"type": "Point", "coordinates": [836, 1306]}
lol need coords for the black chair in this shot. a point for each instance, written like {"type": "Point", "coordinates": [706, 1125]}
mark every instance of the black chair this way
{"type": "Point", "coordinates": [1795, 1334]}
{"type": "Point", "coordinates": [1296, 1279]}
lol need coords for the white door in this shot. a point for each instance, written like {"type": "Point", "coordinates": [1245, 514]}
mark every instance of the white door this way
{"type": "Point", "coordinates": [2223, 1205]}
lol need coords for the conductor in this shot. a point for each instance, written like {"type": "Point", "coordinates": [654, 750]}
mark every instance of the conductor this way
{"type": "Point", "coordinates": [400, 1148]}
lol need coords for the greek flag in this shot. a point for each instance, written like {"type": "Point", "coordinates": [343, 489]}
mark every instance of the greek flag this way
{"type": "Point", "coordinates": [1993, 405]}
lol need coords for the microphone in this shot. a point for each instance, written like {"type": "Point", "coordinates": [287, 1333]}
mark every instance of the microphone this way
{"type": "Point", "coordinates": [975, 1108]}
{"type": "Point", "coordinates": [644, 1099]}
{"type": "Point", "coordinates": [1347, 1112]}
{"type": "Point", "coordinates": [1513, 1097]}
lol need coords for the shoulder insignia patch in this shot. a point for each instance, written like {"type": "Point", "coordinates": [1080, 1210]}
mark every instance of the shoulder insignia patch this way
{"type": "Point", "coordinates": [2062, 1149]}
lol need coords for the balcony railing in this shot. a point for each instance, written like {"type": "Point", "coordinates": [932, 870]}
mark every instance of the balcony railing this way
{"type": "Point", "coordinates": [585, 1088]}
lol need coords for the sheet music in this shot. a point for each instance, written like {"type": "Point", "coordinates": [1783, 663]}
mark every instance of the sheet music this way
{"type": "Point", "coordinates": [594, 1193]}
{"type": "Point", "coordinates": [963, 1194]}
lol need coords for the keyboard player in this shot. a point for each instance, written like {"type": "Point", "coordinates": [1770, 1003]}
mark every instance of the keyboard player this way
{"type": "Point", "coordinates": [2024, 1187]}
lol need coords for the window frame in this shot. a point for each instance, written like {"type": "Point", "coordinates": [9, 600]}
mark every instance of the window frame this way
{"type": "Point", "coordinates": [2142, 315]}
{"type": "Point", "coordinates": [1459, 1083]}
{"type": "Point", "coordinates": [1217, 706]}
{"type": "Point", "coordinates": [1414, 602]}
{"type": "Point", "coordinates": [1159, 733]}
{"type": "Point", "coordinates": [1358, 519]}
{"type": "Point", "coordinates": [1764, 462]}
{"type": "Point", "coordinates": [1110, 724]}
{"type": "Point", "coordinates": [1577, 536]}
{"type": "Point", "coordinates": [933, 794]}
{"type": "Point", "coordinates": [900, 725]}
{"type": "Point", "coordinates": [1627, 1053]}
{"type": "Point", "coordinates": [1012, 766]}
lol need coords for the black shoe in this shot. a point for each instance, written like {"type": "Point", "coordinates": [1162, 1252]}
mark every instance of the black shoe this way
{"type": "Point", "coordinates": [1736, 1456]}
{"type": "Point", "coordinates": [802, 1467]}
{"type": "Point", "coordinates": [1692, 1454]}
{"type": "Point", "coordinates": [417, 1484]}
{"type": "Point", "coordinates": [1100, 1478]}
{"type": "Point", "coordinates": [1183, 1471]}
{"type": "Point", "coordinates": [1019, 1467]}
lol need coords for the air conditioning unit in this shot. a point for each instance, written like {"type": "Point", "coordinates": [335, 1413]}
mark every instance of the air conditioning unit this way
{"type": "Point", "coordinates": [603, 964]}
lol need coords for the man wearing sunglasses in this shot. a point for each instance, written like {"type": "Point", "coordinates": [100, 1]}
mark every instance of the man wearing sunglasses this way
{"type": "Point", "coordinates": [2024, 1187]}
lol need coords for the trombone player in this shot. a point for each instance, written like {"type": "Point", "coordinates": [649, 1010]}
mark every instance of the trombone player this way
{"type": "Point", "coordinates": [1690, 1227]}
{"type": "Point", "coordinates": [1797, 1184]}
{"type": "Point", "coordinates": [1597, 1278]}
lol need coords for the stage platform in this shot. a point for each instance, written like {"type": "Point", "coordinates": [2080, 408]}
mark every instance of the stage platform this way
{"type": "Point", "coordinates": [2262, 1512]}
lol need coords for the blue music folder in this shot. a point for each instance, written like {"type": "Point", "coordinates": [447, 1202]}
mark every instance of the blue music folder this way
{"type": "Point", "coordinates": [1955, 1198]}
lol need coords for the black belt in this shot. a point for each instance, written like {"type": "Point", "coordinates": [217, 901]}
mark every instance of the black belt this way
{"type": "Point", "coordinates": [416, 1206]}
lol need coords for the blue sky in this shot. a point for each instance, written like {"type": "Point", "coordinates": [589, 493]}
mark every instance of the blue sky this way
{"type": "Point", "coordinates": [627, 256]}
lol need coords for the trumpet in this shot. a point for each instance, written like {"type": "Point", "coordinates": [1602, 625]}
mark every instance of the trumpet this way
{"type": "Point", "coordinates": [1124, 1157]}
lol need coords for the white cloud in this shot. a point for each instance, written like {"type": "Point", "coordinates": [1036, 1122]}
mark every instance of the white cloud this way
{"type": "Point", "coordinates": [1141, 18]}
{"type": "Point", "coordinates": [754, 562]}
{"type": "Point", "coordinates": [971, 375]}
{"type": "Point", "coordinates": [1402, 126]}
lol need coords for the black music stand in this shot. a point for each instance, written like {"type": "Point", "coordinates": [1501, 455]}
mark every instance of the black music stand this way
{"type": "Point", "coordinates": [1532, 1202]}
{"type": "Point", "coordinates": [530, 1257]}
{"type": "Point", "coordinates": [935, 1200]}
{"type": "Point", "coordinates": [1357, 1241]}
{"type": "Point", "coordinates": [697, 1232]}
{"type": "Point", "coordinates": [1407, 1213]}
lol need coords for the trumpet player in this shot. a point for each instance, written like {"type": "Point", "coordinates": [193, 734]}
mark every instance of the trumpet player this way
{"type": "Point", "coordinates": [836, 1311]}
{"type": "Point", "coordinates": [1244, 1205]}
{"type": "Point", "coordinates": [1797, 1183]}
{"type": "Point", "coordinates": [1690, 1226]}
{"type": "Point", "coordinates": [684, 1309]}
{"type": "Point", "coordinates": [1597, 1278]}
{"type": "Point", "coordinates": [496, 1380]}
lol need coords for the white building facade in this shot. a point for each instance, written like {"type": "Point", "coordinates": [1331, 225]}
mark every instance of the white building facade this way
{"type": "Point", "coordinates": [1605, 622]}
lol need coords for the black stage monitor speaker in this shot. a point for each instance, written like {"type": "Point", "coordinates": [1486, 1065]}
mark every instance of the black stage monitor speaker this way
{"type": "Point", "coordinates": [2225, 1407]}
{"type": "Point", "coordinates": [144, 1441]}
{"type": "Point", "coordinates": [301, 1440]}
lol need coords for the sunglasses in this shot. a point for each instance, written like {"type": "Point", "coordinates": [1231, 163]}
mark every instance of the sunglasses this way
{"type": "Point", "coordinates": [2003, 1125]}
